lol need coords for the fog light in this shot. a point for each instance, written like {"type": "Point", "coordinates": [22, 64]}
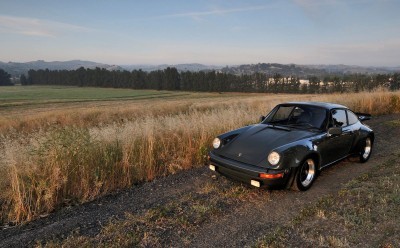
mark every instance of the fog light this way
{"type": "Point", "coordinates": [255, 183]}
{"type": "Point", "coordinates": [212, 167]}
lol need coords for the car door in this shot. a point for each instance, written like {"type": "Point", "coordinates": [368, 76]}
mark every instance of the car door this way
{"type": "Point", "coordinates": [335, 147]}
{"type": "Point", "coordinates": [354, 126]}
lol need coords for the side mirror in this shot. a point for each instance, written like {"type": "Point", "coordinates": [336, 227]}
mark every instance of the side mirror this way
{"type": "Point", "coordinates": [262, 118]}
{"type": "Point", "coordinates": [334, 131]}
{"type": "Point", "coordinates": [363, 116]}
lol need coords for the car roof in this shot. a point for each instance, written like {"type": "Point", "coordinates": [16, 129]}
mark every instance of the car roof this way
{"type": "Point", "coordinates": [325, 105]}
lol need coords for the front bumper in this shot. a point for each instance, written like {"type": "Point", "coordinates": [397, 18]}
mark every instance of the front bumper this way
{"type": "Point", "coordinates": [247, 173]}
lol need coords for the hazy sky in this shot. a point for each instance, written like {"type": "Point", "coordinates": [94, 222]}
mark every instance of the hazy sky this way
{"type": "Point", "coordinates": [220, 32]}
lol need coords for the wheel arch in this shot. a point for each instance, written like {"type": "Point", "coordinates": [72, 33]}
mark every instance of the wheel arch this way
{"type": "Point", "coordinates": [372, 135]}
{"type": "Point", "coordinates": [360, 141]}
{"type": "Point", "coordinates": [315, 156]}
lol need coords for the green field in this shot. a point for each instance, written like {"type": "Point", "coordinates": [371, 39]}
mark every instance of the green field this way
{"type": "Point", "coordinates": [27, 95]}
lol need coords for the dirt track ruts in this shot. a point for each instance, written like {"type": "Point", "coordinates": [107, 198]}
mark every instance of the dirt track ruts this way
{"type": "Point", "coordinates": [239, 225]}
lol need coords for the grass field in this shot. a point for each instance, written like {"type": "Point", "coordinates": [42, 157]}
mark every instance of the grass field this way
{"type": "Point", "coordinates": [22, 100]}
{"type": "Point", "coordinates": [38, 107]}
{"type": "Point", "coordinates": [16, 95]}
{"type": "Point", "coordinates": [71, 145]}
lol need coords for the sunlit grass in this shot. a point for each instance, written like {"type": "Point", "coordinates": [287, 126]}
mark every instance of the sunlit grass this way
{"type": "Point", "coordinates": [61, 157]}
{"type": "Point", "coordinates": [351, 217]}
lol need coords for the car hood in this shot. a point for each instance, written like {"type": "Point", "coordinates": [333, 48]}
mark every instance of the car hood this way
{"type": "Point", "coordinates": [254, 144]}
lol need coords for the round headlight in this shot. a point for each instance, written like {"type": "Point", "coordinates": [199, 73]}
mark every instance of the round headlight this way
{"type": "Point", "coordinates": [216, 143]}
{"type": "Point", "coordinates": [273, 158]}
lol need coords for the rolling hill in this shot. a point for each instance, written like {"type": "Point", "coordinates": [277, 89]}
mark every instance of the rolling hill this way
{"type": "Point", "coordinates": [17, 68]}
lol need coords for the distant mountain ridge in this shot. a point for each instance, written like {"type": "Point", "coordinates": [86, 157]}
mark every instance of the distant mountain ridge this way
{"type": "Point", "coordinates": [345, 69]}
{"type": "Point", "coordinates": [179, 67]}
{"type": "Point", "coordinates": [273, 68]}
{"type": "Point", "coordinates": [16, 68]}
{"type": "Point", "coordinates": [306, 70]}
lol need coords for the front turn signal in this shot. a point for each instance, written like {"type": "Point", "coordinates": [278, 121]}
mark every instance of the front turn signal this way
{"type": "Point", "coordinates": [270, 176]}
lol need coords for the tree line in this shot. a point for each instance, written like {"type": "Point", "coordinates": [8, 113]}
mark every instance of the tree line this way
{"type": "Point", "coordinates": [5, 78]}
{"type": "Point", "coordinates": [210, 81]}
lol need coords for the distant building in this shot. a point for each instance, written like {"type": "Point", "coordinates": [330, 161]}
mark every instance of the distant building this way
{"type": "Point", "coordinates": [304, 81]}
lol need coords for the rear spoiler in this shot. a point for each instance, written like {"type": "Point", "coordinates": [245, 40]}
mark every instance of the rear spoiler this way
{"type": "Point", "coordinates": [363, 116]}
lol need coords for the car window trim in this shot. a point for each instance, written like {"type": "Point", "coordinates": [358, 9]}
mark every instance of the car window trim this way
{"type": "Point", "coordinates": [347, 115]}
{"type": "Point", "coordinates": [275, 109]}
{"type": "Point", "coordinates": [345, 111]}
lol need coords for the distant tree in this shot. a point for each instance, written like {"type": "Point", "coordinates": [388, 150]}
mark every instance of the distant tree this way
{"type": "Point", "coordinates": [211, 81]}
{"type": "Point", "coordinates": [304, 88]}
{"type": "Point", "coordinates": [337, 84]}
{"type": "Point", "coordinates": [294, 85]}
{"type": "Point", "coordinates": [277, 83]}
{"type": "Point", "coordinates": [23, 80]}
{"type": "Point", "coordinates": [5, 78]}
{"type": "Point", "coordinates": [325, 84]}
{"type": "Point", "coordinates": [172, 79]}
{"type": "Point", "coordinates": [395, 82]}
{"type": "Point", "coordinates": [313, 84]}
{"type": "Point", "coordinates": [382, 80]}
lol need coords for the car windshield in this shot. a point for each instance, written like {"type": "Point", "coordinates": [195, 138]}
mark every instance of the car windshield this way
{"type": "Point", "coordinates": [297, 116]}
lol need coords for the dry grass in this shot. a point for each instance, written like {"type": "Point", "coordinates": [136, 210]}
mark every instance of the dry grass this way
{"type": "Point", "coordinates": [363, 214]}
{"type": "Point", "coordinates": [379, 102]}
{"type": "Point", "coordinates": [69, 157]}
{"type": "Point", "coordinates": [177, 219]}
{"type": "Point", "coordinates": [30, 118]}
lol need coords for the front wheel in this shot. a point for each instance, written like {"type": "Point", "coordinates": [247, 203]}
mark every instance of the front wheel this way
{"type": "Point", "coordinates": [366, 149]}
{"type": "Point", "coordinates": [305, 175]}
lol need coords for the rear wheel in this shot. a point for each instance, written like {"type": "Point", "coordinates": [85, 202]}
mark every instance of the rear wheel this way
{"type": "Point", "coordinates": [305, 175]}
{"type": "Point", "coordinates": [366, 149]}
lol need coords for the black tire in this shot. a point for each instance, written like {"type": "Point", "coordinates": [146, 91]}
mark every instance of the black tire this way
{"type": "Point", "coordinates": [366, 149]}
{"type": "Point", "coordinates": [305, 175]}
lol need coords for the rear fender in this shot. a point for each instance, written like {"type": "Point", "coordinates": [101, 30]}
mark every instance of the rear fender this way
{"type": "Point", "coordinates": [360, 141]}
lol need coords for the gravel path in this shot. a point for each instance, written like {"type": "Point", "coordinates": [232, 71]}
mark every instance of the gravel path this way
{"type": "Point", "coordinates": [239, 225]}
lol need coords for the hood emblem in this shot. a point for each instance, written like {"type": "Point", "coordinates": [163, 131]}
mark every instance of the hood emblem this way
{"type": "Point", "coordinates": [240, 154]}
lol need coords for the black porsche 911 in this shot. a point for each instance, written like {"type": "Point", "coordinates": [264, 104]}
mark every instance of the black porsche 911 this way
{"type": "Point", "coordinates": [292, 144]}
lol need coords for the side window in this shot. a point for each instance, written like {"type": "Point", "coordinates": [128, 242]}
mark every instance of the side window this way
{"type": "Point", "coordinates": [353, 119]}
{"type": "Point", "coordinates": [339, 118]}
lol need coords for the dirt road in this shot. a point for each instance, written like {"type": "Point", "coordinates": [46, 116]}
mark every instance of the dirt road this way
{"type": "Point", "coordinates": [208, 212]}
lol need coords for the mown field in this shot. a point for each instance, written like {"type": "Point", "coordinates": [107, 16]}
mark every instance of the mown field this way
{"type": "Point", "coordinates": [46, 94]}
{"type": "Point", "coordinates": [68, 145]}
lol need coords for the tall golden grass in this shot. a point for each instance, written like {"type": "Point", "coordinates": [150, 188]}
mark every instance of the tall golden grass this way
{"type": "Point", "coordinates": [30, 119]}
{"type": "Point", "coordinates": [47, 168]}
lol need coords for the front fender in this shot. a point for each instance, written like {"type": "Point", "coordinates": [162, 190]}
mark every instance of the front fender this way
{"type": "Point", "coordinates": [295, 153]}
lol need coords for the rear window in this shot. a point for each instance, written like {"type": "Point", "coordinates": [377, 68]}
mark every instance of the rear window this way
{"type": "Point", "coordinates": [339, 118]}
{"type": "Point", "coordinates": [353, 119]}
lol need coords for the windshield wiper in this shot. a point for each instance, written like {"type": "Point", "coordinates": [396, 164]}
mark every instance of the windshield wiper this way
{"type": "Point", "coordinates": [303, 126]}
{"type": "Point", "coordinates": [279, 127]}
